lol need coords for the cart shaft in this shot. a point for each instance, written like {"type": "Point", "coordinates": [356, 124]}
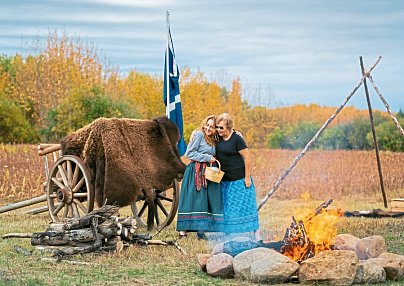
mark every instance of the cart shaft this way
{"type": "Point", "coordinates": [22, 204]}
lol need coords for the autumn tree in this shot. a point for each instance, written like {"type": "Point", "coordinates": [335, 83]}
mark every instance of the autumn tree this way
{"type": "Point", "coordinates": [81, 108]}
{"type": "Point", "coordinates": [65, 65]}
{"type": "Point", "coordinates": [199, 98]}
{"type": "Point", "coordinates": [14, 127]}
{"type": "Point", "coordinates": [145, 93]}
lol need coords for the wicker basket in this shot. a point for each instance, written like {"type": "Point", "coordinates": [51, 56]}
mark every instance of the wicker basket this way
{"type": "Point", "coordinates": [214, 175]}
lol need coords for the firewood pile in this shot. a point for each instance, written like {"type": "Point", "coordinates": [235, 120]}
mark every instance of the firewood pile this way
{"type": "Point", "coordinates": [97, 231]}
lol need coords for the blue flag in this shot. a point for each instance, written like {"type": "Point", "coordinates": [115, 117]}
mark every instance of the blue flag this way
{"type": "Point", "coordinates": [174, 109]}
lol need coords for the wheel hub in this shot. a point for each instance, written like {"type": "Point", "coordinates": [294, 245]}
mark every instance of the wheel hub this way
{"type": "Point", "coordinates": [65, 196]}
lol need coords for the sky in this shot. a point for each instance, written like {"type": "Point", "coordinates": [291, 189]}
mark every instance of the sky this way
{"type": "Point", "coordinates": [284, 52]}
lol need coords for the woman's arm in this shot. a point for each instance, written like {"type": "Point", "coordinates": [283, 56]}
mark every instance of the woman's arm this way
{"type": "Point", "coordinates": [247, 176]}
{"type": "Point", "coordinates": [192, 152]}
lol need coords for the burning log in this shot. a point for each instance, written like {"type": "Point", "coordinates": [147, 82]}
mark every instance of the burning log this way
{"type": "Point", "coordinates": [299, 244]}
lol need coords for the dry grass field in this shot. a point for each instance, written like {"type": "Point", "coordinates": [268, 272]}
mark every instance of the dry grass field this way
{"type": "Point", "coordinates": [350, 178]}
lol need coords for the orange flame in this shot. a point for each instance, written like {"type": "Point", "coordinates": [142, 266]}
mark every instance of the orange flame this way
{"type": "Point", "coordinates": [312, 233]}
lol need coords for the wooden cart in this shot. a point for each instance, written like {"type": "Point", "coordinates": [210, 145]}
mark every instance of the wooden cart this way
{"type": "Point", "coordinates": [70, 193]}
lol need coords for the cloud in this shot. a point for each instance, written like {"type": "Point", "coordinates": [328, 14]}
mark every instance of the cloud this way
{"type": "Point", "coordinates": [303, 50]}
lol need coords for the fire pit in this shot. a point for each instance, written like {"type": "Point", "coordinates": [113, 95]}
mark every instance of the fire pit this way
{"type": "Point", "coordinates": [310, 252]}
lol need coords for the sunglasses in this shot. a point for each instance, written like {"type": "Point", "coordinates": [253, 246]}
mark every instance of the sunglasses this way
{"type": "Point", "coordinates": [219, 127]}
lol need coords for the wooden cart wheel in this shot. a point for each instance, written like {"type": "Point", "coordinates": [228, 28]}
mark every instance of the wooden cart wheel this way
{"type": "Point", "coordinates": [163, 210]}
{"type": "Point", "coordinates": [69, 190]}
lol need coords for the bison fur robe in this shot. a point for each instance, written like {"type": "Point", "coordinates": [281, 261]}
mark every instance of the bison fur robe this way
{"type": "Point", "coordinates": [127, 156]}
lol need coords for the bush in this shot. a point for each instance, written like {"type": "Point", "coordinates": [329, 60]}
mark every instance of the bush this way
{"type": "Point", "coordinates": [300, 135]}
{"type": "Point", "coordinates": [14, 127]}
{"type": "Point", "coordinates": [81, 109]}
{"type": "Point", "coordinates": [389, 137]}
{"type": "Point", "coordinates": [276, 139]}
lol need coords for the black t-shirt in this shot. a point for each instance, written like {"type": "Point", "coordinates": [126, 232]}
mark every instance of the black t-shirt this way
{"type": "Point", "coordinates": [232, 163]}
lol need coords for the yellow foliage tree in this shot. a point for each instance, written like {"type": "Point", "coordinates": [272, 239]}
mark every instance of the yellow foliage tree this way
{"type": "Point", "coordinates": [63, 67]}
{"type": "Point", "coordinates": [199, 98]}
{"type": "Point", "coordinates": [145, 92]}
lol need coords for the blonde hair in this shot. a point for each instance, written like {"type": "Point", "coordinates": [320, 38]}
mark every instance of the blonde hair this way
{"type": "Point", "coordinates": [212, 139]}
{"type": "Point", "coordinates": [227, 119]}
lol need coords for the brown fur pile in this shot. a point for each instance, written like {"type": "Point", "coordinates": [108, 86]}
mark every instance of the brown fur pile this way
{"type": "Point", "coordinates": [127, 156]}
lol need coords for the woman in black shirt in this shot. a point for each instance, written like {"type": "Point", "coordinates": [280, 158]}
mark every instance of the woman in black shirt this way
{"type": "Point", "coordinates": [239, 198]}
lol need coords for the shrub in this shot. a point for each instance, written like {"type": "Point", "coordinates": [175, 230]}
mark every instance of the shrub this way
{"type": "Point", "coordinates": [14, 127]}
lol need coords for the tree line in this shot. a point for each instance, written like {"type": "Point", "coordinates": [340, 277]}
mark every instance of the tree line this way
{"type": "Point", "coordinates": [64, 84]}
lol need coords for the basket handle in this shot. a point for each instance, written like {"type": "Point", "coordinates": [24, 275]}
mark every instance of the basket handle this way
{"type": "Point", "coordinates": [217, 163]}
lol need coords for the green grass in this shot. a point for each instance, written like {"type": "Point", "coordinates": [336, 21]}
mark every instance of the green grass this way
{"type": "Point", "coordinates": [159, 265]}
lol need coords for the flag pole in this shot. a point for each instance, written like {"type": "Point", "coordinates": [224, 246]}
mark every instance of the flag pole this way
{"type": "Point", "coordinates": [167, 66]}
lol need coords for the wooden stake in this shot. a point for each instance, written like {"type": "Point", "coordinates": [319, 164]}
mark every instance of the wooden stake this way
{"type": "Point", "coordinates": [379, 166]}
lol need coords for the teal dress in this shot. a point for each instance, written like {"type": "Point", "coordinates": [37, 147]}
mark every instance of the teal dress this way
{"type": "Point", "coordinates": [199, 210]}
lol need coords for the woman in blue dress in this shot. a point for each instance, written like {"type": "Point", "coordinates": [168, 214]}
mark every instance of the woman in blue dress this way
{"type": "Point", "coordinates": [239, 197]}
{"type": "Point", "coordinates": [200, 206]}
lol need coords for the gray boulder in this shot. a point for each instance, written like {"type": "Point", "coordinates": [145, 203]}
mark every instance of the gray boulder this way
{"type": "Point", "coordinates": [263, 265]}
{"type": "Point", "coordinates": [369, 272]}
{"type": "Point", "coordinates": [336, 267]}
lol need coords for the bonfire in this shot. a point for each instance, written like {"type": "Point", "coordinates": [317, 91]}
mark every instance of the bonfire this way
{"type": "Point", "coordinates": [311, 232]}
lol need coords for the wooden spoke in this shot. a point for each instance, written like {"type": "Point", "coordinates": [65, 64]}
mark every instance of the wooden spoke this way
{"type": "Point", "coordinates": [79, 195]}
{"type": "Point", "coordinates": [75, 210]}
{"type": "Point", "coordinates": [160, 205]}
{"type": "Point", "coordinates": [56, 181]}
{"type": "Point", "coordinates": [62, 173]}
{"type": "Point", "coordinates": [70, 210]}
{"type": "Point", "coordinates": [145, 205]}
{"type": "Point", "coordinates": [79, 185]}
{"type": "Point", "coordinates": [65, 211]}
{"type": "Point", "coordinates": [69, 173]}
{"type": "Point", "coordinates": [164, 198]}
{"type": "Point", "coordinates": [75, 175]}
{"type": "Point", "coordinates": [80, 205]}
{"type": "Point", "coordinates": [58, 208]}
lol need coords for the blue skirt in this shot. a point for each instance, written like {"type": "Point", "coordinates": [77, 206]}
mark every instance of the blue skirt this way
{"type": "Point", "coordinates": [199, 210]}
{"type": "Point", "coordinates": [240, 207]}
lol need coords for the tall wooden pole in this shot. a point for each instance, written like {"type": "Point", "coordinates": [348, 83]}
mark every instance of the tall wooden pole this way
{"type": "Point", "coordinates": [167, 66]}
{"type": "Point", "coordinates": [379, 167]}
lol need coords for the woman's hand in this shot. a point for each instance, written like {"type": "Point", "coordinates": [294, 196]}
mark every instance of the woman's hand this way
{"type": "Point", "coordinates": [239, 133]}
{"type": "Point", "coordinates": [247, 181]}
{"type": "Point", "coordinates": [213, 159]}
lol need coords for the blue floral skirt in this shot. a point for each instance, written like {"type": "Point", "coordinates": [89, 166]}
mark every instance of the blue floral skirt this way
{"type": "Point", "coordinates": [199, 210]}
{"type": "Point", "coordinates": [240, 207]}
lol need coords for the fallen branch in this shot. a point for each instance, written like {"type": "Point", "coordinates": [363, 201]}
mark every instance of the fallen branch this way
{"type": "Point", "coordinates": [17, 235]}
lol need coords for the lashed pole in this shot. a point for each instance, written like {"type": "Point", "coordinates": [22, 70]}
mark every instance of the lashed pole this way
{"type": "Point", "coordinates": [386, 104]}
{"type": "Point", "coordinates": [379, 166]}
{"type": "Point", "coordinates": [311, 142]}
